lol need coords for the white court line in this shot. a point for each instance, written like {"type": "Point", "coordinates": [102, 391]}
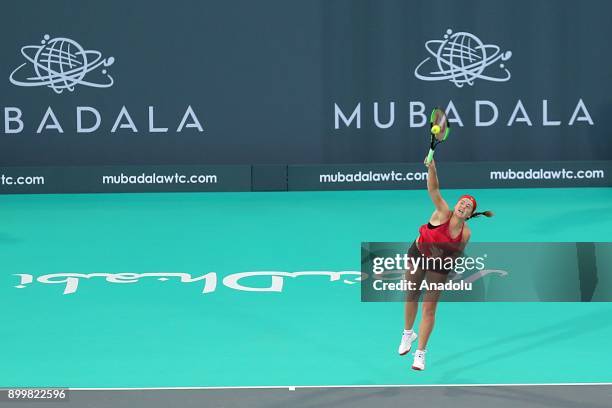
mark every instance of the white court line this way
{"type": "Point", "coordinates": [294, 387]}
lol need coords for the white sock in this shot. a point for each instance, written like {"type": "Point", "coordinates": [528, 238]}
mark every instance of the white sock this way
{"type": "Point", "coordinates": [408, 332]}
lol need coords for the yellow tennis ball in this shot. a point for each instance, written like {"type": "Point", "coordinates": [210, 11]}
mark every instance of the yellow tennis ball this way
{"type": "Point", "coordinates": [435, 129]}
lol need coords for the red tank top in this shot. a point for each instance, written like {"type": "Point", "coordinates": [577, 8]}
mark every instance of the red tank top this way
{"type": "Point", "coordinates": [441, 233]}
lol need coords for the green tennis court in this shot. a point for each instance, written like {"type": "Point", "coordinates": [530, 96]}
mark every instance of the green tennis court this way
{"type": "Point", "coordinates": [163, 333]}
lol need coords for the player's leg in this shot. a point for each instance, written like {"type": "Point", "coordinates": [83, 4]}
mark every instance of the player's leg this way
{"type": "Point", "coordinates": [411, 306]}
{"type": "Point", "coordinates": [428, 317]}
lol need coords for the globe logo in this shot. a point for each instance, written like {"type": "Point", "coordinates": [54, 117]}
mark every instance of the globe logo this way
{"type": "Point", "coordinates": [461, 58]}
{"type": "Point", "coordinates": [60, 64]}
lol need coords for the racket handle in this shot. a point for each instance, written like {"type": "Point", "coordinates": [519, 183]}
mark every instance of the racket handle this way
{"type": "Point", "coordinates": [430, 156]}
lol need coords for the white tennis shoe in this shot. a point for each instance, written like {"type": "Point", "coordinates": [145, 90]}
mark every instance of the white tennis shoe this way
{"type": "Point", "coordinates": [419, 360]}
{"type": "Point", "coordinates": [406, 343]}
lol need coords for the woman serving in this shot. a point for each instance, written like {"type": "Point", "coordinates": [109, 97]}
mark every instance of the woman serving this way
{"type": "Point", "coordinates": [446, 232]}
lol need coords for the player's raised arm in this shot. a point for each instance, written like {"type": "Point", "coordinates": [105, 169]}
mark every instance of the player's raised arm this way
{"type": "Point", "coordinates": [433, 187]}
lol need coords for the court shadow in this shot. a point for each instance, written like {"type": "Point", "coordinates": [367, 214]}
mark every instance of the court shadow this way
{"type": "Point", "coordinates": [330, 397]}
{"type": "Point", "coordinates": [544, 335]}
{"type": "Point", "coordinates": [6, 239]}
{"type": "Point", "coordinates": [521, 395]}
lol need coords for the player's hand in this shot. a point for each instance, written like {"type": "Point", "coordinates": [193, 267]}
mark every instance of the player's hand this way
{"type": "Point", "coordinates": [430, 164]}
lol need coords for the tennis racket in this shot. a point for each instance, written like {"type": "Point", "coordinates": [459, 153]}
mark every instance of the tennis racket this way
{"type": "Point", "coordinates": [439, 129]}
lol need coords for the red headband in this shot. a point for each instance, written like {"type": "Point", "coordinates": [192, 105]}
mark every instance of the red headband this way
{"type": "Point", "coordinates": [472, 199]}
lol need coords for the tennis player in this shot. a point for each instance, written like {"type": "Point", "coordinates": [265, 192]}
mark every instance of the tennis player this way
{"type": "Point", "coordinates": [445, 233]}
